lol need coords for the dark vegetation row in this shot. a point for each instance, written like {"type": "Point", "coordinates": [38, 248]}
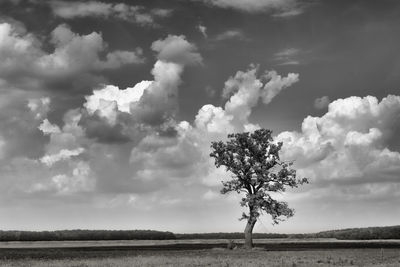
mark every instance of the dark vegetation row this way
{"type": "Point", "coordinates": [228, 236]}
{"type": "Point", "coordinates": [388, 232]}
{"type": "Point", "coordinates": [85, 235]}
{"type": "Point", "coordinates": [117, 235]}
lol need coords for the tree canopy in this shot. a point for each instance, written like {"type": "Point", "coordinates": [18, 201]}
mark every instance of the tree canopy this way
{"type": "Point", "coordinates": [257, 170]}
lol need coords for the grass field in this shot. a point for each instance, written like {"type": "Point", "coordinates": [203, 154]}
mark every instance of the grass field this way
{"type": "Point", "coordinates": [201, 253]}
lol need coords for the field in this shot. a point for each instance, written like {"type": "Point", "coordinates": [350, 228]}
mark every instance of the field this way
{"type": "Point", "coordinates": [281, 252]}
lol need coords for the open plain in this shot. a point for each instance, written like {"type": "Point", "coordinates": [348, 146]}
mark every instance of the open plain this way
{"type": "Point", "coordinates": [280, 252]}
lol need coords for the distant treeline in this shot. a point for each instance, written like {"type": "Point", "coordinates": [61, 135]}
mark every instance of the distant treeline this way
{"type": "Point", "coordinates": [118, 235]}
{"type": "Point", "coordinates": [387, 232]}
{"type": "Point", "coordinates": [85, 235]}
{"type": "Point", "coordinates": [227, 236]}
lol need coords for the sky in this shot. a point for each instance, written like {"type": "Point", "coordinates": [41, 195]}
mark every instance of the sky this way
{"type": "Point", "coordinates": [108, 110]}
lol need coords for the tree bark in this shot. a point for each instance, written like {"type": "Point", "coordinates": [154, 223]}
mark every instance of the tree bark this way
{"type": "Point", "coordinates": [248, 232]}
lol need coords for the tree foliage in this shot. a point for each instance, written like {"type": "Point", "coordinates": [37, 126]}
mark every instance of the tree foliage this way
{"type": "Point", "coordinates": [257, 170]}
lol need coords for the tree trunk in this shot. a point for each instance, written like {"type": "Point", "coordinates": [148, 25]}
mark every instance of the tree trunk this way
{"type": "Point", "coordinates": [248, 232]}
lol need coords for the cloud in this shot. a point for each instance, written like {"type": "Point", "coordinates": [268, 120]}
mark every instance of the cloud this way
{"type": "Point", "coordinates": [2, 145]}
{"type": "Point", "coordinates": [321, 102]}
{"type": "Point", "coordinates": [280, 8]}
{"type": "Point", "coordinates": [23, 60]}
{"type": "Point", "coordinates": [244, 91]}
{"type": "Point", "coordinates": [39, 106]}
{"type": "Point", "coordinates": [63, 154]}
{"type": "Point", "coordinates": [21, 113]}
{"type": "Point", "coordinates": [47, 128]}
{"type": "Point", "coordinates": [66, 141]}
{"type": "Point", "coordinates": [80, 9]}
{"type": "Point", "coordinates": [152, 169]}
{"type": "Point", "coordinates": [210, 91]}
{"type": "Point", "coordinates": [136, 14]}
{"type": "Point", "coordinates": [76, 53]}
{"type": "Point", "coordinates": [177, 49]}
{"type": "Point", "coordinates": [289, 56]}
{"type": "Point", "coordinates": [148, 103]}
{"type": "Point", "coordinates": [77, 179]}
{"type": "Point", "coordinates": [230, 35]}
{"type": "Point", "coordinates": [80, 180]}
{"type": "Point", "coordinates": [110, 99]}
{"type": "Point", "coordinates": [203, 30]}
{"type": "Point", "coordinates": [120, 141]}
{"type": "Point", "coordinates": [349, 144]}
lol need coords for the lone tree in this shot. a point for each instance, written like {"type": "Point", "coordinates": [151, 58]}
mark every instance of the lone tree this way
{"type": "Point", "coordinates": [253, 159]}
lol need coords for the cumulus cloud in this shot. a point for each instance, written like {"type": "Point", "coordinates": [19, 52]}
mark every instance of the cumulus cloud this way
{"type": "Point", "coordinates": [110, 99]}
{"type": "Point", "coordinates": [177, 49]}
{"type": "Point", "coordinates": [149, 103]}
{"type": "Point", "coordinates": [349, 144]}
{"type": "Point", "coordinates": [190, 145]}
{"type": "Point", "coordinates": [137, 14]}
{"type": "Point", "coordinates": [321, 102]}
{"type": "Point", "coordinates": [76, 53]}
{"type": "Point", "coordinates": [66, 141]}
{"type": "Point", "coordinates": [280, 8]}
{"type": "Point", "coordinates": [47, 128]}
{"type": "Point", "coordinates": [78, 156]}
{"type": "Point", "coordinates": [22, 56]}
{"type": "Point", "coordinates": [21, 113]}
{"type": "Point", "coordinates": [244, 91]}
{"type": "Point", "coordinates": [80, 180]}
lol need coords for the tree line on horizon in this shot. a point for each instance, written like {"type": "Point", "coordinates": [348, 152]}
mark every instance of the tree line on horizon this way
{"type": "Point", "coordinates": [75, 235]}
{"type": "Point", "coordinates": [387, 232]}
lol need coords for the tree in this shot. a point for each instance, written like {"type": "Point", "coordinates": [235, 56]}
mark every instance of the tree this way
{"type": "Point", "coordinates": [253, 159]}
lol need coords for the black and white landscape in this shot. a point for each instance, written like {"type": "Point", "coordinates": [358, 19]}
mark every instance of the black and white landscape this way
{"type": "Point", "coordinates": [108, 110]}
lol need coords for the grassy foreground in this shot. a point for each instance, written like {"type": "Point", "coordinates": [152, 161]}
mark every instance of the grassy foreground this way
{"type": "Point", "coordinates": [221, 257]}
{"type": "Point", "coordinates": [283, 252]}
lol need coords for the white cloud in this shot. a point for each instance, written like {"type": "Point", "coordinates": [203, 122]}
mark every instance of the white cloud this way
{"type": "Point", "coordinates": [80, 9]}
{"type": "Point", "coordinates": [21, 53]}
{"type": "Point", "coordinates": [190, 147]}
{"type": "Point", "coordinates": [321, 102]}
{"type": "Point", "coordinates": [203, 30]}
{"type": "Point", "coordinates": [149, 102]}
{"type": "Point", "coordinates": [276, 84]}
{"type": "Point", "coordinates": [75, 53]}
{"type": "Point", "coordinates": [67, 141]}
{"type": "Point", "coordinates": [63, 154]}
{"type": "Point", "coordinates": [280, 8]}
{"type": "Point", "coordinates": [47, 128]}
{"type": "Point", "coordinates": [348, 144]}
{"type": "Point", "coordinates": [177, 49]}
{"type": "Point", "coordinates": [229, 35]}
{"type": "Point", "coordinates": [288, 56]}
{"type": "Point", "coordinates": [110, 99]}
{"type": "Point", "coordinates": [244, 91]}
{"type": "Point", "coordinates": [137, 14]}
